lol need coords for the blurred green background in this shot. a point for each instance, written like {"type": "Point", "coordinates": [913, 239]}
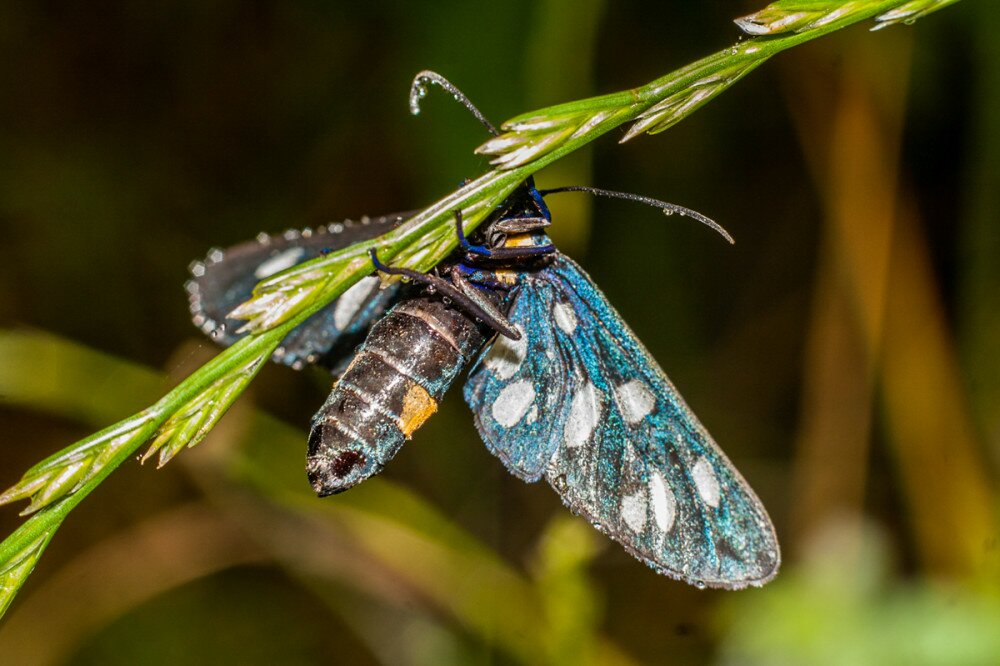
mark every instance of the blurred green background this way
{"type": "Point", "coordinates": [845, 353]}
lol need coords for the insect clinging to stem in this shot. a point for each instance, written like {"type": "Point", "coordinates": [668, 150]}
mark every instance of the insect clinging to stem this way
{"type": "Point", "coordinates": [560, 387]}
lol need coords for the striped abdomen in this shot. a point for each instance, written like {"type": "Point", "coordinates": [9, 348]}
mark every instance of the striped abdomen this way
{"type": "Point", "coordinates": [410, 358]}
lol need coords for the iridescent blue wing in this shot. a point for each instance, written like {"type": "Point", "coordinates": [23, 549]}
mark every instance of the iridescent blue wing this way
{"type": "Point", "coordinates": [619, 444]}
{"type": "Point", "coordinates": [226, 278]}
{"type": "Point", "coordinates": [517, 392]}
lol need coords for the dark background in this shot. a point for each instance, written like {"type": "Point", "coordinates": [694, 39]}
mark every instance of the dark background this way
{"type": "Point", "coordinates": [845, 352]}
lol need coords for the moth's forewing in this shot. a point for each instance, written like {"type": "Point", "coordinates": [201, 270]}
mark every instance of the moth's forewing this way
{"type": "Point", "coordinates": [587, 406]}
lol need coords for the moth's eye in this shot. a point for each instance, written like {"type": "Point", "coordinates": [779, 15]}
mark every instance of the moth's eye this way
{"type": "Point", "coordinates": [497, 239]}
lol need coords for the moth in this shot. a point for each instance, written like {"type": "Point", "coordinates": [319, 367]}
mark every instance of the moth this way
{"type": "Point", "coordinates": [560, 388]}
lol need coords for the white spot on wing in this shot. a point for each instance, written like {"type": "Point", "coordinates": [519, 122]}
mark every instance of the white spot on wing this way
{"type": "Point", "coordinates": [635, 400]}
{"type": "Point", "coordinates": [279, 262]}
{"type": "Point", "coordinates": [513, 402]}
{"type": "Point", "coordinates": [634, 510]}
{"type": "Point", "coordinates": [663, 501]}
{"type": "Point", "coordinates": [584, 414]}
{"type": "Point", "coordinates": [507, 355]}
{"type": "Point", "coordinates": [564, 316]}
{"type": "Point", "coordinates": [705, 481]}
{"type": "Point", "coordinates": [352, 299]}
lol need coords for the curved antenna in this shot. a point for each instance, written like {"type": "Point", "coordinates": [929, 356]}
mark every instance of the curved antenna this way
{"type": "Point", "coordinates": [419, 87]}
{"type": "Point", "coordinates": [667, 208]}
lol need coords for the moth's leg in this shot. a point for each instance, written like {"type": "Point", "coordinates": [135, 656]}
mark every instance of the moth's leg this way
{"type": "Point", "coordinates": [484, 305]}
{"type": "Point", "coordinates": [463, 241]}
{"type": "Point", "coordinates": [493, 279]}
{"type": "Point", "coordinates": [463, 296]}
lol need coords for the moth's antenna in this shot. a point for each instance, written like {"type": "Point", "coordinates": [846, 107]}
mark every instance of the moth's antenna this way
{"type": "Point", "coordinates": [667, 208]}
{"type": "Point", "coordinates": [419, 87]}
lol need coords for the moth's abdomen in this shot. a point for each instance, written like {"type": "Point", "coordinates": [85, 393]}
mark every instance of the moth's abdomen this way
{"type": "Point", "coordinates": [398, 376]}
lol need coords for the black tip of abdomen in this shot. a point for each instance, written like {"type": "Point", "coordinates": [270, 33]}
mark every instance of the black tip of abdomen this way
{"type": "Point", "coordinates": [322, 487]}
{"type": "Point", "coordinates": [334, 472]}
{"type": "Point", "coordinates": [334, 463]}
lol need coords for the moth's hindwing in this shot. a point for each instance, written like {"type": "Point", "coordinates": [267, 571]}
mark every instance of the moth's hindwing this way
{"type": "Point", "coordinates": [581, 401]}
{"type": "Point", "coordinates": [226, 278]}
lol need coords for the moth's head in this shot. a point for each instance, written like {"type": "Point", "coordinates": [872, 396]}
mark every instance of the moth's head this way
{"type": "Point", "coordinates": [522, 212]}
